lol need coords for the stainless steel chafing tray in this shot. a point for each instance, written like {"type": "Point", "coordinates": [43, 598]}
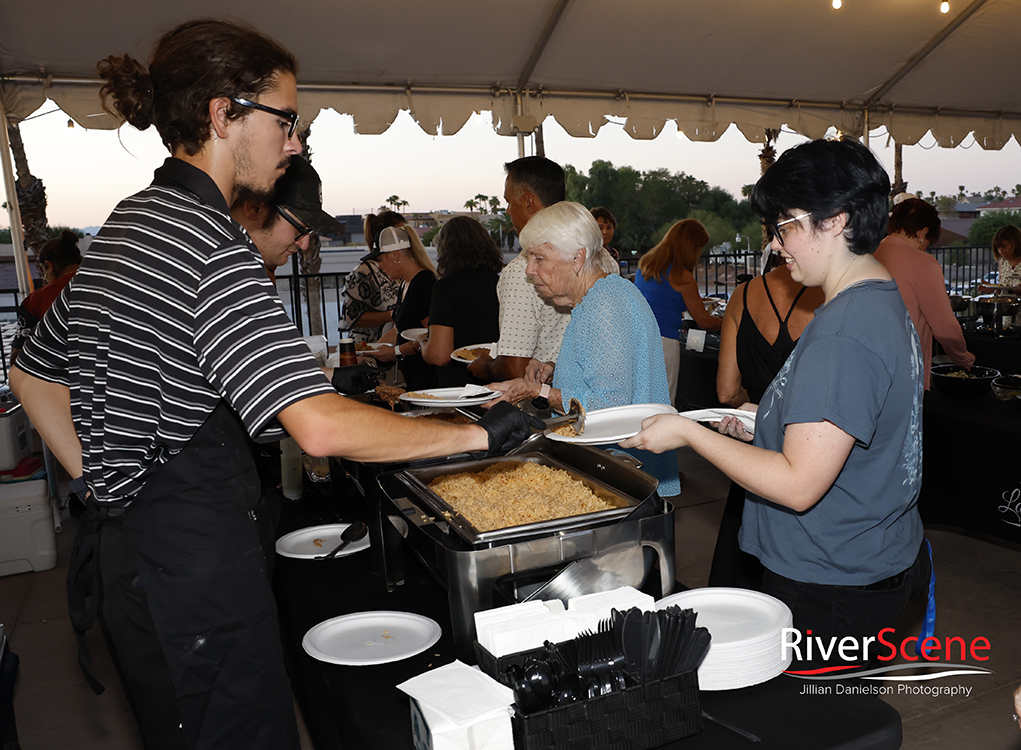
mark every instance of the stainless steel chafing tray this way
{"type": "Point", "coordinates": [485, 569]}
{"type": "Point", "coordinates": [418, 481]}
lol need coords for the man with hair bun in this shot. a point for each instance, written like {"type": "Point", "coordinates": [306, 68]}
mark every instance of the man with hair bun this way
{"type": "Point", "coordinates": [153, 373]}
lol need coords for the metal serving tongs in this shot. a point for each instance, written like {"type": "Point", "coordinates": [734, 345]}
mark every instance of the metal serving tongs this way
{"type": "Point", "coordinates": [575, 415]}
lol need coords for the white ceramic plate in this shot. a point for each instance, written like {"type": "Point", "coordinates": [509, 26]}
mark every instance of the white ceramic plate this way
{"type": "Point", "coordinates": [715, 415]}
{"type": "Point", "coordinates": [314, 541]}
{"type": "Point", "coordinates": [413, 333]}
{"type": "Point", "coordinates": [490, 347]}
{"type": "Point", "coordinates": [366, 638]}
{"type": "Point", "coordinates": [448, 397]}
{"type": "Point", "coordinates": [614, 424]}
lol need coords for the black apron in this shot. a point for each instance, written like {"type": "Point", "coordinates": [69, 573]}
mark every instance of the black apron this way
{"type": "Point", "coordinates": [186, 602]}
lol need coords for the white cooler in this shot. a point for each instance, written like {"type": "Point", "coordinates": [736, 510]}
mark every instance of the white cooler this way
{"type": "Point", "coordinates": [15, 437]}
{"type": "Point", "coordinates": [27, 539]}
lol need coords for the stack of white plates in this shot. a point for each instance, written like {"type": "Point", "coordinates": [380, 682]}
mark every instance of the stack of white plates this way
{"type": "Point", "coordinates": [746, 627]}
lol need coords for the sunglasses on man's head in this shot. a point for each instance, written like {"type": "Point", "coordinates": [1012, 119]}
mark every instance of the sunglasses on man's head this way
{"type": "Point", "coordinates": [291, 117]}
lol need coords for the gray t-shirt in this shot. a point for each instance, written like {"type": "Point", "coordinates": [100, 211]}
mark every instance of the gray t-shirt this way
{"type": "Point", "coordinates": [856, 365]}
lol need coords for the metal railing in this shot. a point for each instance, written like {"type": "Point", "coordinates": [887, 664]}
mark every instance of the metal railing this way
{"type": "Point", "coordinates": [717, 275]}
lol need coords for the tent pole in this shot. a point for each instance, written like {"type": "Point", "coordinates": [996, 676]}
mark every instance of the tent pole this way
{"type": "Point", "coordinates": [13, 209]}
{"type": "Point", "coordinates": [519, 109]}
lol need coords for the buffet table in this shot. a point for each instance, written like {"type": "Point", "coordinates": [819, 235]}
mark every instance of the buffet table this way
{"type": "Point", "coordinates": [970, 479]}
{"type": "Point", "coordinates": [360, 707]}
{"type": "Point", "coordinates": [1002, 353]}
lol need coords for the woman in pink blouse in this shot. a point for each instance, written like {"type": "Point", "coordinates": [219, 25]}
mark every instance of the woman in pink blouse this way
{"type": "Point", "coordinates": [914, 225]}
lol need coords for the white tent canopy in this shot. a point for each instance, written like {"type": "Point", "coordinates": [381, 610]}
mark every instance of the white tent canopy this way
{"type": "Point", "coordinates": [704, 64]}
{"type": "Point", "coordinates": [899, 63]}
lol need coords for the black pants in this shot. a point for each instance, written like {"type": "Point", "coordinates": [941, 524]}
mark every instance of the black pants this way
{"type": "Point", "coordinates": [187, 604]}
{"type": "Point", "coordinates": [838, 611]}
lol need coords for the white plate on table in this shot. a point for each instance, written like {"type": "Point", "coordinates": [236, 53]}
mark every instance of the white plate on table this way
{"type": "Point", "coordinates": [367, 638]}
{"type": "Point", "coordinates": [715, 415]}
{"type": "Point", "coordinates": [747, 633]}
{"type": "Point", "coordinates": [448, 397]}
{"type": "Point", "coordinates": [465, 360]}
{"type": "Point", "coordinates": [411, 334]}
{"type": "Point", "coordinates": [374, 350]}
{"type": "Point", "coordinates": [614, 424]}
{"type": "Point", "coordinates": [307, 544]}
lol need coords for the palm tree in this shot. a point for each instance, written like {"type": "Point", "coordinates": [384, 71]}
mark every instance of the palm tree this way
{"type": "Point", "coordinates": [310, 262]}
{"type": "Point", "coordinates": [471, 204]}
{"type": "Point", "coordinates": [31, 193]}
{"type": "Point", "coordinates": [394, 201]}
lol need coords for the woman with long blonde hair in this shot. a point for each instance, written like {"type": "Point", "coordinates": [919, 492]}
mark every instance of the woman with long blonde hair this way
{"type": "Point", "coordinates": [666, 279]}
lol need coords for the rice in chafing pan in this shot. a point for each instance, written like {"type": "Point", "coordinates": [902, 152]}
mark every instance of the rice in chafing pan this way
{"type": "Point", "coordinates": [513, 493]}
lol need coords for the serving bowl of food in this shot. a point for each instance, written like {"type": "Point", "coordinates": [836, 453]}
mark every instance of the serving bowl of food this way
{"type": "Point", "coordinates": [1006, 387]}
{"type": "Point", "coordinates": [957, 383]}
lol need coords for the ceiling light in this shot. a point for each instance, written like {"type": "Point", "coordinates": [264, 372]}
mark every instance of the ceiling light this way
{"type": "Point", "coordinates": [837, 4]}
{"type": "Point", "coordinates": [944, 7]}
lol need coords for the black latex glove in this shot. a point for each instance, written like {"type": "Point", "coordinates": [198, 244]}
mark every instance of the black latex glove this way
{"type": "Point", "coordinates": [356, 379]}
{"type": "Point", "coordinates": [507, 426]}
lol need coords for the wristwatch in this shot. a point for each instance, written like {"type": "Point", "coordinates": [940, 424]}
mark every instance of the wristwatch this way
{"type": "Point", "coordinates": [398, 354]}
{"type": "Point", "coordinates": [542, 400]}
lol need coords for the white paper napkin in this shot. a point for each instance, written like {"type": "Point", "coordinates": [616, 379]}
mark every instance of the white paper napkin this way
{"type": "Point", "coordinates": [460, 693]}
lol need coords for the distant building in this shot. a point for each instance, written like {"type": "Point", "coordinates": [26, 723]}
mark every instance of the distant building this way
{"type": "Point", "coordinates": [1011, 204]}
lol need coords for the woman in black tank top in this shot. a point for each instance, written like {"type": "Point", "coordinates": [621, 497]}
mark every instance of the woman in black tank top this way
{"type": "Point", "coordinates": [748, 364]}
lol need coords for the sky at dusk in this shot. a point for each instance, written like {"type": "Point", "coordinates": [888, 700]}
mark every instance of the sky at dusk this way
{"type": "Point", "coordinates": [86, 172]}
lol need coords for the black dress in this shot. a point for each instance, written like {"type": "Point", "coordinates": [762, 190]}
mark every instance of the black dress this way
{"type": "Point", "coordinates": [467, 302]}
{"type": "Point", "coordinates": [758, 361]}
{"type": "Point", "coordinates": [409, 313]}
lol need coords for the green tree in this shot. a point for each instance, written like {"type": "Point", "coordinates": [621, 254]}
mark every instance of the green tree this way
{"type": "Point", "coordinates": [471, 204]}
{"type": "Point", "coordinates": [502, 229]}
{"type": "Point", "coordinates": [997, 194]}
{"type": "Point", "coordinates": [982, 230]}
{"type": "Point", "coordinates": [427, 238]}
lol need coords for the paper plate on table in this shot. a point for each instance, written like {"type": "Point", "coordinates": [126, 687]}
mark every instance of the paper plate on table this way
{"type": "Point", "coordinates": [373, 349]}
{"type": "Point", "coordinates": [715, 415]}
{"type": "Point", "coordinates": [411, 334]}
{"type": "Point", "coordinates": [614, 424]}
{"type": "Point", "coordinates": [306, 544]}
{"type": "Point", "coordinates": [472, 396]}
{"type": "Point", "coordinates": [367, 638]}
{"type": "Point", "coordinates": [465, 354]}
{"type": "Point", "coordinates": [747, 633]}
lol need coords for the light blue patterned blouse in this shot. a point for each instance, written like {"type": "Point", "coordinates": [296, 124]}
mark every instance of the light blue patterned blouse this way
{"type": "Point", "coordinates": [612, 355]}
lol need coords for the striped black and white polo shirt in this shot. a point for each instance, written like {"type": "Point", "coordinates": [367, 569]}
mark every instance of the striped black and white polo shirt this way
{"type": "Point", "coordinates": [170, 312]}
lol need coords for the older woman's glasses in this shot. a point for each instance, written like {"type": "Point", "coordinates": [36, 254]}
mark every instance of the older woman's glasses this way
{"type": "Point", "coordinates": [291, 117]}
{"type": "Point", "coordinates": [304, 230]}
{"type": "Point", "coordinates": [774, 231]}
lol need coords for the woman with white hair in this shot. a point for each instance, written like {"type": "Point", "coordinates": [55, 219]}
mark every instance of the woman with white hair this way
{"type": "Point", "coordinates": [611, 354]}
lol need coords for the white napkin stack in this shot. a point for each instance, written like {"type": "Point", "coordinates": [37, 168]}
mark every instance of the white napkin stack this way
{"type": "Point", "coordinates": [522, 627]}
{"type": "Point", "coordinates": [463, 708]}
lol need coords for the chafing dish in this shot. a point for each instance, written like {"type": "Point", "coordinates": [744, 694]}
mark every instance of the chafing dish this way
{"type": "Point", "coordinates": [997, 310]}
{"type": "Point", "coordinates": [482, 569]}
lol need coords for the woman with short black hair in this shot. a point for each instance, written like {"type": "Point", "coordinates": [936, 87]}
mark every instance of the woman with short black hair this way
{"type": "Point", "coordinates": [836, 466]}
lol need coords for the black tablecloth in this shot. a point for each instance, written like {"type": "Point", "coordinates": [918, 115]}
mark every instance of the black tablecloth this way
{"type": "Point", "coordinates": [360, 707]}
{"type": "Point", "coordinates": [970, 478]}
{"type": "Point", "coordinates": [1002, 353]}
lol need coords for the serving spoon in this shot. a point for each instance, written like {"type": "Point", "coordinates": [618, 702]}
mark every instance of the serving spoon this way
{"type": "Point", "coordinates": [352, 533]}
